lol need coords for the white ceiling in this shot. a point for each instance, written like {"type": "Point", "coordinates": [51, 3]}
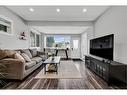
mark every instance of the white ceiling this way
{"type": "Point", "coordinates": [61, 29]}
{"type": "Point", "coordinates": [67, 13]}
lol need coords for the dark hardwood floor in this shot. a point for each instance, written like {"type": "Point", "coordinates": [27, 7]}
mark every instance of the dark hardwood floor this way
{"type": "Point", "coordinates": [89, 81]}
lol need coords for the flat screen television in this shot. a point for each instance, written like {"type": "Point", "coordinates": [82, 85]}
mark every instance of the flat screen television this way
{"type": "Point", "coordinates": [102, 46]}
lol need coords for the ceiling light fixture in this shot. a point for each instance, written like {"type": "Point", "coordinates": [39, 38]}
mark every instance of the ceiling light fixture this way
{"type": "Point", "coordinates": [31, 9]}
{"type": "Point", "coordinates": [58, 10]}
{"type": "Point", "coordinates": [84, 10]}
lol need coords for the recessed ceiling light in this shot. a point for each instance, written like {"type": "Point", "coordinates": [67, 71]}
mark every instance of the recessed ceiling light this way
{"type": "Point", "coordinates": [31, 9]}
{"type": "Point", "coordinates": [84, 10]}
{"type": "Point", "coordinates": [58, 10]}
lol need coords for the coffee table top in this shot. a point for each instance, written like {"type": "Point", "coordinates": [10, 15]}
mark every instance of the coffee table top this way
{"type": "Point", "coordinates": [49, 60]}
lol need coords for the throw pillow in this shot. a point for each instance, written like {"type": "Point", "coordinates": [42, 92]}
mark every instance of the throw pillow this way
{"type": "Point", "coordinates": [44, 57]}
{"type": "Point", "coordinates": [18, 51]}
{"type": "Point", "coordinates": [7, 53]}
{"type": "Point", "coordinates": [10, 53]}
{"type": "Point", "coordinates": [18, 56]}
{"type": "Point", "coordinates": [33, 52]}
{"type": "Point", "coordinates": [26, 51]}
{"type": "Point", "coordinates": [2, 54]}
{"type": "Point", "coordinates": [26, 57]}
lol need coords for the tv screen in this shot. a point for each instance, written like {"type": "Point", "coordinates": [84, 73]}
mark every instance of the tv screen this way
{"type": "Point", "coordinates": [102, 46]}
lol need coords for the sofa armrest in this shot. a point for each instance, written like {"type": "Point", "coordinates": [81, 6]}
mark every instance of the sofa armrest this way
{"type": "Point", "coordinates": [15, 68]}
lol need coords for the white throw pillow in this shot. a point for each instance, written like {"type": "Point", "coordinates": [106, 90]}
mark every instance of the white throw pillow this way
{"type": "Point", "coordinates": [18, 56]}
{"type": "Point", "coordinates": [26, 57]}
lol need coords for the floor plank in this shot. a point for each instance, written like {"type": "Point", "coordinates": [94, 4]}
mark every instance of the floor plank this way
{"type": "Point", "coordinates": [89, 81]}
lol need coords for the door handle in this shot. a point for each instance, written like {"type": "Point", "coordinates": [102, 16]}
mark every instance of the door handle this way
{"type": "Point", "coordinates": [72, 48]}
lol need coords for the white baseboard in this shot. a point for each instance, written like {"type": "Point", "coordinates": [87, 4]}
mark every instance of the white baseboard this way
{"type": "Point", "coordinates": [82, 59]}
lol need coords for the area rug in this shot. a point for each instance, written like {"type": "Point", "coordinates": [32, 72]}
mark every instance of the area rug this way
{"type": "Point", "coordinates": [66, 69]}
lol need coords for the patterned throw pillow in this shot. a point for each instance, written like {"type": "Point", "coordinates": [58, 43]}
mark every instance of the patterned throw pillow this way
{"type": "Point", "coordinates": [26, 57]}
{"type": "Point", "coordinates": [27, 52]}
{"type": "Point", "coordinates": [7, 53]}
{"type": "Point", "coordinates": [10, 53]}
{"type": "Point", "coordinates": [33, 52]}
{"type": "Point", "coordinates": [2, 54]}
{"type": "Point", "coordinates": [18, 56]}
{"type": "Point", "coordinates": [18, 51]}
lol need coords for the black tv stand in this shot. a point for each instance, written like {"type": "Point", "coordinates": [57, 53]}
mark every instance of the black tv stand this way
{"type": "Point", "coordinates": [112, 72]}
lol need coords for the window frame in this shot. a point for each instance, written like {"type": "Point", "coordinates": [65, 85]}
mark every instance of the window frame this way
{"type": "Point", "coordinates": [10, 33]}
{"type": "Point", "coordinates": [35, 39]}
{"type": "Point", "coordinates": [45, 40]}
{"type": "Point", "coordinates": [37, 44]}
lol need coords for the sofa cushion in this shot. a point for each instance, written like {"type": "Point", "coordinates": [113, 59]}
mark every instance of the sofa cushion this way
{"type": "Point", "coordinates": [33, 52]}
{"type": "Point", "coordinates": [30, 64]}
{"type": "Point", "coordinates": [37, 59]}
{"type": "Point", "coordinates": [18, 56]}
{"type": "Point", "coordinates": [26, 51]}
{"type": "Point", "coordinates": [44, 57]}
{"type": "Point", "coordinates": [41, 53]}
{"type": "Point", "coordinates": [26, 57]}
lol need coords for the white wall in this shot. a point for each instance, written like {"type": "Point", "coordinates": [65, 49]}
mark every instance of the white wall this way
{"type": "Point", "coordinates": [13, 42]}
{"type": "Point", "coordinates": [114, 21]}
{"type": "Point", "coordinates": [84, 47]}
{"type": "Point", "coordinates": [85, 38]}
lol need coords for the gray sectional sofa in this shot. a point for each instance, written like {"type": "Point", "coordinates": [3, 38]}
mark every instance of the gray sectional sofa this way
{"type": "Point", "coordinates": [17, 69]}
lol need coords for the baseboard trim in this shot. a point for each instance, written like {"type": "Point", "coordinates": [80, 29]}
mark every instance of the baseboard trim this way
{"type": "Point", "coordinates": [82, 59]}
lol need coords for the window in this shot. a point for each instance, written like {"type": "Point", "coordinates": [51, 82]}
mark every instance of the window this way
{"type": "Point", "coordinates": [58, 41]}
{"type": "Point", "coordinates": [3, 28]}
{"type": "Point", "coordinates": [32, 36]}
{"type": "Point", "coordinates": [35, 39]}
{"type": "Point", "coordinates": [5, 25]}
